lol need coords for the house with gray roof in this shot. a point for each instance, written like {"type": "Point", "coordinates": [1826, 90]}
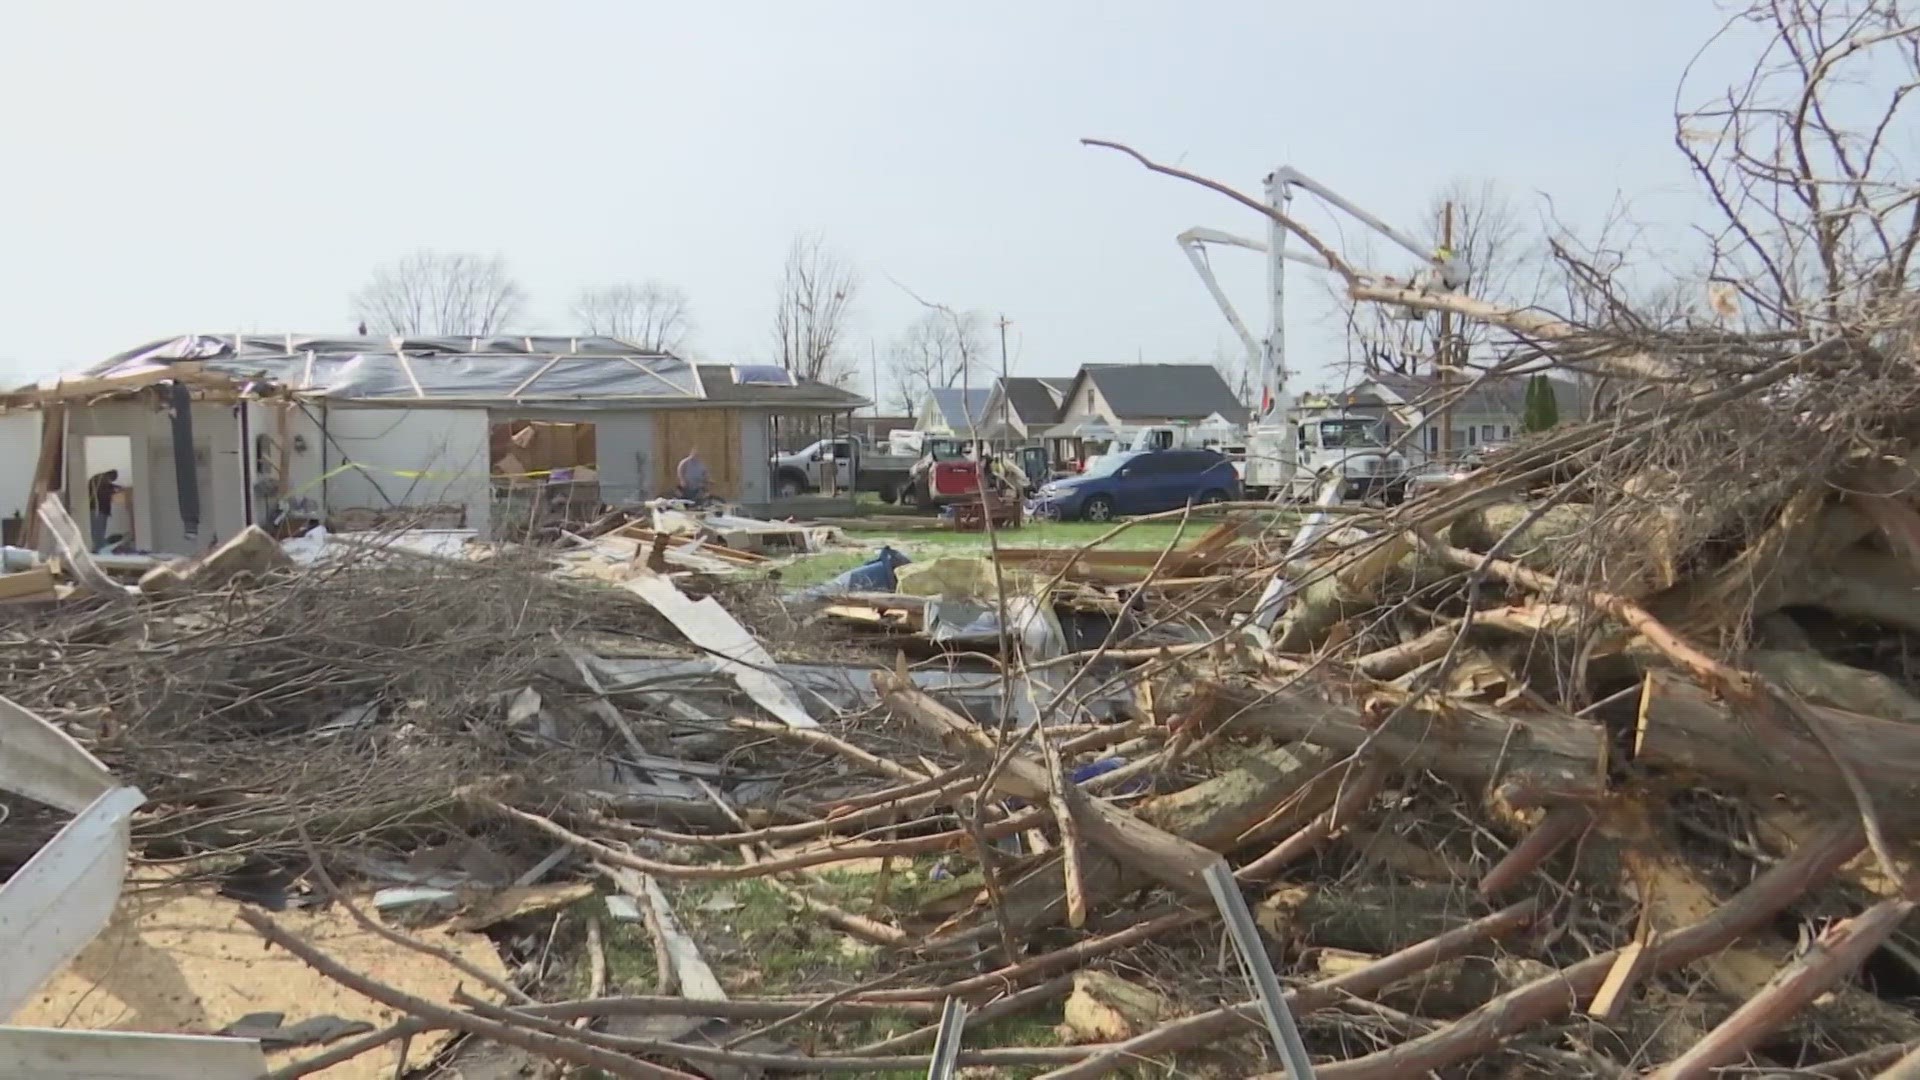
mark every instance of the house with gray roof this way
{"type": "Point", "coordinates": [952, 410]}
{"type": "Point", "coordinates": [1106, 401]}
{"type": "Point", "coordinates": [1020, 406]}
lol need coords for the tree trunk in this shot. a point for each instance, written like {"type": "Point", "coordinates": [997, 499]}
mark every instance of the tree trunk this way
{"type": "Point", "coordinates": [1367, 918]}
{"type": "Point", "coordinates": [1461, 741]}
{"type": "Point", "coordinates": [1684, 727]}
{"type": "Point", "coordinates": [1839, 686]}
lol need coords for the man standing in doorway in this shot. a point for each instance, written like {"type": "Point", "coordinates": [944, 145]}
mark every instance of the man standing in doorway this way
{"type": "Point", "coordinates": [692, 474]}
{"type": "Point", "coordinates": [101, 489]}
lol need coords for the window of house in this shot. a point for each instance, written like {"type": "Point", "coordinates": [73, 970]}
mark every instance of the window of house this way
{"type": "Point", "coordinates": [1506, 431]}
{"type": "Point", "coordinates": [1433, 440]}
{"type": "Point", "coordinates": [1468, 435]}
{"type": "Point", "coordinates": [1486, 432]}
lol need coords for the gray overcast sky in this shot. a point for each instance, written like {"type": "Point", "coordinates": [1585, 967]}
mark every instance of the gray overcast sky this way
{"type": "Point", "coordinates": [216, 166]}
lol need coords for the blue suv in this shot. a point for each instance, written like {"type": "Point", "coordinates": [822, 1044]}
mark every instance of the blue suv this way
{"type": "Point", "coordinates": [1138, 482]}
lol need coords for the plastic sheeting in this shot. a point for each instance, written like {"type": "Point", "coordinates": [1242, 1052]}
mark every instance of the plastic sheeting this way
{"type": "Point", "coordinates": [551, 372]}
{"type": "Point", "coordinates": [735, 651]}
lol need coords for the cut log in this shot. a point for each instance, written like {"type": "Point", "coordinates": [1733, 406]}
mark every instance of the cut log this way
{"type": "Point", "coordinates": [1684, 727]}
{"type": "Point", "coordinates": [1839, 686]}
{"type": "Point", "coordinates": [1459, 741]}
{"type": "Point", "coordinates": [1544, 544]}
{"type": "Point", "coordinates": [1236, 806]}
{"type": "Point", "coordinates": [1335, 587]}
{"type": "Point", "coordinates": [1446, 990]}
{"type": "Point", "coordinates": [1367, 918]}
{"type": "Point", "coordinates": [1107, 1008]}
{"type": "Point", "coordinates": [1767, 575]}
{"type": "Point", "coordinates": [1866, 584]}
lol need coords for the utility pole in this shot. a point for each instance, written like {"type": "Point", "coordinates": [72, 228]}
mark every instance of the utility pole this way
{"type": "Point", "coordinates": [1443, 349]}
{"type": "Point", "coordinates": [1006, 407]}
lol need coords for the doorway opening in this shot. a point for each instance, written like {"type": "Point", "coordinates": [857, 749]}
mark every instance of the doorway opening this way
{"type": "Point", "coordinates": [113, 522]}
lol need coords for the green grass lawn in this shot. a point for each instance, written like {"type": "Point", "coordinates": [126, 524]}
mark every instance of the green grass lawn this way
{"type": "Point", "coordinates": [921, 543]}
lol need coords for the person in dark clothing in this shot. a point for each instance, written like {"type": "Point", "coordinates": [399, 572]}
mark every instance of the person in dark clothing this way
{"type": "Point", "coordinates": [100, 492]}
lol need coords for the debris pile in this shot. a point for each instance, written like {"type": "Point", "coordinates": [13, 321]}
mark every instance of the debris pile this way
{"type": "Point", "coordinates": [1602, 758]}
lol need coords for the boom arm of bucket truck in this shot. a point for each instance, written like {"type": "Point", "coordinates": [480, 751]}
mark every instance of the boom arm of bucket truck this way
{"type": "Point", "coordinates": [1271, 452]}
{"type": "Point", "coordinates": [1271, 455]}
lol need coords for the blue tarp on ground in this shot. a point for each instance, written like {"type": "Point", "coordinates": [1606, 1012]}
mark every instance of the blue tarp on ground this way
{"type": "Point", "coordinates": [874, 575]}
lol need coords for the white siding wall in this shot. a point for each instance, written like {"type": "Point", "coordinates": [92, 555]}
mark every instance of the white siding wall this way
{"type": "Point", "coordinates": [756, 449]}
{"type": "Point", "coordinates": [446, 446]}
{"type": "Point", "coordinates": [623, 444]}
{"type": "Point", "coordinates": [20, 451]}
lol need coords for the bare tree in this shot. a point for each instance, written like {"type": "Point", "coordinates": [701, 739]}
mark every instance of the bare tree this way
{"type": "Point", "coordinates": [1506, 263]}
{"type": "Point", "coordinates": [817, 288]}
{"type": "Point", "coordinates": [937, 350]}
{"type": "Point", "coordinates": [1237, 369]}
{"type": "Point", "coordinates": [651, 314]}
{"type": "Point", "coordinates": [440, 293]}
{"type": "Point", "coordinates": [1806, 163]}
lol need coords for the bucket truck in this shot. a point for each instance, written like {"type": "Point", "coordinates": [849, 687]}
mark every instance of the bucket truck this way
{"type": "Point", "coordinates": [1286, 459]}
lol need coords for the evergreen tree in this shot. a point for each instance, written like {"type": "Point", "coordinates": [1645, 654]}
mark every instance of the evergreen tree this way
{"type": "Point", "coordinates": [1542, 409]}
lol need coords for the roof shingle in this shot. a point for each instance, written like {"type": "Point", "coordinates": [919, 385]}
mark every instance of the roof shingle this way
{"type": "Point", "coordinates": [1173, 391]}
{"type": "Point", "coordinates": [957, 405]}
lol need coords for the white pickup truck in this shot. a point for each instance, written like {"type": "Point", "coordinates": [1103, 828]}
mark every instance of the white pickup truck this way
{"type": "Point", "coordinates": [851, 464]}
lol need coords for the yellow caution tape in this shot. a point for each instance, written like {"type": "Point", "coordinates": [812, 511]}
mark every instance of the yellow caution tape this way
{"type": "Point", "coordinates": [415, 474]}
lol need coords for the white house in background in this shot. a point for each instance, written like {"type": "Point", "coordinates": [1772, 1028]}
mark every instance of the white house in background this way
{"type": "Point", "coordinates": [1108, 401]}
{"type": "Point", "coordinates": [1489, 413]}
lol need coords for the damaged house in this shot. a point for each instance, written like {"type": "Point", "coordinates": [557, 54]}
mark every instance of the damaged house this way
{"type": "Point", "coordinates": [211, 434]}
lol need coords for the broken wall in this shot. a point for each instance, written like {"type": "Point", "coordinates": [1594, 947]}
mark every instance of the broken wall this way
{"type": "Point", "coordinates": [623, 442]}
{"type": "Point", "coordinates": [156, 494]}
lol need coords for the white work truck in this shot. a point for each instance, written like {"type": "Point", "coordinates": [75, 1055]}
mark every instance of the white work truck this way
{"type": "Point", "coordinates": [1290, 461]}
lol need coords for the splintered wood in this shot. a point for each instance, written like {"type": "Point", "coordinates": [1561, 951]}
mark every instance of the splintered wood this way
{"type": "Point", "coordinates": [1596, 755]}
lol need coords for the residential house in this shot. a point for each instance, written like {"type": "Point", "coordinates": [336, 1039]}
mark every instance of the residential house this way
{"type": "Point", "coordinates": [951, 410]}
{"type": "Point", "coordinates": [216, 433]}
{"type": "Point", "coordinates": [1487, 412]}
{"type": "Point", "coordinates": [1020, 407]}
{"type": "Point", "coordinates": [1106, 401]}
